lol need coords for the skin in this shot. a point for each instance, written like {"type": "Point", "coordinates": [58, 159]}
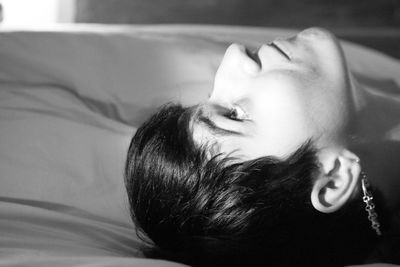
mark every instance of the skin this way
{"type": "Point", "coordinates": [268, 103]}
{"type": "Point", "coordinates": [307, 94]}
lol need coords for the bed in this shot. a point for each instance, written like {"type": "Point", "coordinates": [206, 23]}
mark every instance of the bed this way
{"type": "Point", "coordinates": [71, 98]}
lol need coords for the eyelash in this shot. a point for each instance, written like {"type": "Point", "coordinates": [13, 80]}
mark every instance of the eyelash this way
{"type": "Point", "coordinates": [233, 114]}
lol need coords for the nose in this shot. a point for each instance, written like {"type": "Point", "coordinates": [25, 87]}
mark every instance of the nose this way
{"type": "Point", "coordinates": [238, 58]}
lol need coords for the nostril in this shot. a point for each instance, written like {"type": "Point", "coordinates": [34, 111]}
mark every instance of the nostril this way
{"type": "Point", "coordinates": [253, 56]}
{"type": "Point", "coordinates": [237, 57]}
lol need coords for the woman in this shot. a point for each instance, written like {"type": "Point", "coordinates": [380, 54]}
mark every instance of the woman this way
{"type": "Point", "coordinates": [289, 162]}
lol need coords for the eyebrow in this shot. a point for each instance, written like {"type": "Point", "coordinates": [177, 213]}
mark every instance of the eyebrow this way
{"type": "Point", "coordinates": [202, 117]}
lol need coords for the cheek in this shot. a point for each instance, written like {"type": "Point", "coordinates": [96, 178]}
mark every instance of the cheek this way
{"type": "Point", "coordinates": [283, 104]}
{"type": "Point", "coordinates": [283, 123]}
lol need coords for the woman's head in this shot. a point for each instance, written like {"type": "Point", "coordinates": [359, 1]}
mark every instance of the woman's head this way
{"type": "Point", "coordinates": [211, 185]}
{"type": "Point", "coordinates": [278, 97]}
{"type": "Point", "coordinates": [271, 101]}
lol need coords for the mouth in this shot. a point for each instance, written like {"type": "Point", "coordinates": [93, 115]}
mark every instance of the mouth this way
{"type": "Point", "coordinates": [280, 49]}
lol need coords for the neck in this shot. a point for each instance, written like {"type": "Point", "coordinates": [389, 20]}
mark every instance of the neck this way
{"type": "Point", "coordinates": [375, 138]}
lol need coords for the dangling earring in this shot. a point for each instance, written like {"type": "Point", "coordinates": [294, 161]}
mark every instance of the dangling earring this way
{"type": "Point", "coordinates": [369, 204]}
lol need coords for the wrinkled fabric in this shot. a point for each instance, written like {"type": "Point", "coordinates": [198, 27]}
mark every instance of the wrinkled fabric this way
{"type": "Point", "coordinates": [70, 101]}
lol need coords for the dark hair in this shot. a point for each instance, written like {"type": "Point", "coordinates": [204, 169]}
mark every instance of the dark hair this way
{"type": "Point", "coordinates": [215, 211]}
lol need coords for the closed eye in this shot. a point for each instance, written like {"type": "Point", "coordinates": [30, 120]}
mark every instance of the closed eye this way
{"type": "Point", "coordinates": [237, 113]}
{"type": "Point", "coordinates": [204, 115]}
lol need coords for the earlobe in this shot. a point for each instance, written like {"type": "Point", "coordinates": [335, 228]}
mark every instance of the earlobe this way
{"type": "Point", "coordinates": [337, 181]}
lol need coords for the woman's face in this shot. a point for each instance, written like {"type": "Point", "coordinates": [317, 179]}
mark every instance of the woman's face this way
{"type": "Point", "coordinates": [269, 102]}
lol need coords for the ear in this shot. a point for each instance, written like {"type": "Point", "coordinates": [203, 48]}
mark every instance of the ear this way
{"type": "Point", "coordinates": [337, 180]}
